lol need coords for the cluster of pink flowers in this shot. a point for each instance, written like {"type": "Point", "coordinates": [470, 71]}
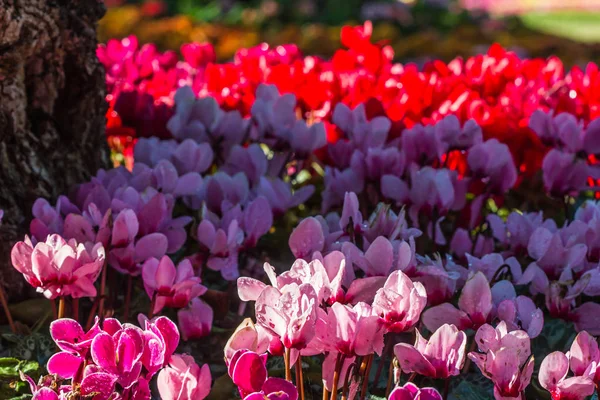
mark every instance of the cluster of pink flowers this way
{"type": "Point", "coordinates": [344, 301]}
{"type": "Point", "coordinates": [457, 220]}
{"type": "Point", "coordinates": [117, 361]}
{"type": "Point", "coordinates": [126, 220]}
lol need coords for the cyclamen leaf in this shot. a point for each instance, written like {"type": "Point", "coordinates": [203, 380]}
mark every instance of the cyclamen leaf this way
{"type": "Point", "coordinates": [10, 367]}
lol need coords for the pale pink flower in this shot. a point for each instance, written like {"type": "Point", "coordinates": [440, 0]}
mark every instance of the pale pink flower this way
{"type": "Point", "coordinates": [440, 357]}
{"type": "Point", "coordinates": [58, 267]}
{"type": "Point", "coordinates": [354, 331]}
{"type": "Point", "coordinates": [399, 302]}
{"type": "Point", "coordinates": [290, 314]}
{"type": "Point", "coordinates": [505, 359]}
{"type": "Point", "coordinates": [183, 379]}
{"type": "Point", "coordinates": [553, 378]}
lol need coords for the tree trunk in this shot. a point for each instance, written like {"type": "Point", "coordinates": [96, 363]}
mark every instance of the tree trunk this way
{"type": "Point", "coordinates": [52, 110]}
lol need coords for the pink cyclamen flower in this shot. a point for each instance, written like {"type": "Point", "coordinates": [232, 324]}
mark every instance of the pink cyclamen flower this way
{"type": "Point", "coordinates": [410, 391]}
{"type": "Point", "coordinates": [99, 384]}
{"type": "Point", "coordinates": [165, 331]}
{"type": "Point", "coordinates": [492, 162]}
{"type": "Point", "coordinates": [129, 246]}
{"type": "Point", "coordinates": [475, 305]}
{"type": "Point", "coordinates": [246, 336]}
{"type": "Point", "coordinates": [173, 287]}
{"type": "Point", "coordinates": [69, 336]}
{"type": "Point", "coordinates": [290, 314]}
{"type": "Point", "coordinates": [505, 359]}
{"type": "Point", "coordinates": [307, 238]}
{"type": "Point", "coordinates": [439, 357]}
{"type": "Point", "coordinates": [553, 378]}
{"type": "Point", "coordinates": [378, 260]}
{"type": "Point", "coordinates": [58, 267]}
{"type": "Point", "coordinates": [354, 331]}
{"type": "Point", "coordinates": [183, 379]}
{"type": "Point", "coordinates": [275, 389]}
{"type": "Point", "coordinates": [47, 219]}
{"type": "Point", "coordinates": [223, 246]}
{"type": "Point", "coordinates": [351, 217]}
{"type": "Point", "coordinates": [564, 173]}
{"type": "Point", "coordinates": [196, 320]}
{"type": "Point", "coordinates": [399, 302]}
{"type": "Point", "coordinates": [517, 311]}
{"type": "Point", "coordinates": [584, 356]}
{"type": "Point", "coordinates": [49, 389]}
{"type": "Point", "coordinates": [450, 132]}
{"type": "Point", "coordinates": [248, 371]}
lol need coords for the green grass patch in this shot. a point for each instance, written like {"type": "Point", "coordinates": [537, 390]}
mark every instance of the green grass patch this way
{"type": "Point", "coordinates": [576, 25]}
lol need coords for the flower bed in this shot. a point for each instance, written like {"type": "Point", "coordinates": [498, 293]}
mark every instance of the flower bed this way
{"type": "Point", "coordinates": [413, 233]}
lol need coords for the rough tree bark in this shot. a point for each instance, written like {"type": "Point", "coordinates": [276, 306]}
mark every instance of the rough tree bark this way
{"type": "Point", "coordinates": [51, 110]}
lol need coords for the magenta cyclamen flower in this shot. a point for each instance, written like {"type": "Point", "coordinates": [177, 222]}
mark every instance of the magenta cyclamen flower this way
{"type": "Point", "coordinates": [90, 227]}
{"type": "Point", "coordinates": [173, 287]}
{"type": "Point", "coordinates": [120, 354]}
{"type": "Point", "coordinates": [248, 371]}
{"type": "Point", "coordinates": [329, 276]}
{"type": "Point", "coordinates": [167, 335]}
{"type": "Point", "coordinates": [70, 337]}
{"type": "Point", "coordinates": [399, 302]}
{"type": "Point", "coordinates": [439, 357]}
{"type": "Point", "coordinates": [378, 260]}
{"type": "Point", "coordinates": [113, 360]}
{"type": "Point", "coordinates": [280, 196]}
{"type": "Point", "coordinates": [410, 391]}
{"type": "Point", "coordinates": [59, 268]}
{"type": "Point", "coordinates": [183, 379]}
{"type": "Point", "coordinates": [505, 360]}
{"type": "Point", "coordinates": [421, 144]}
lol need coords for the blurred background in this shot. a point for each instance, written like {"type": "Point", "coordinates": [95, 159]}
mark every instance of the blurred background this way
{"type": "Point", "coordinates": [417, 30]}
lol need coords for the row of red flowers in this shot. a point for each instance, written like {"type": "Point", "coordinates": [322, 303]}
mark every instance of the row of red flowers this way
{"type": "Point", "coordinates": [499, 90]}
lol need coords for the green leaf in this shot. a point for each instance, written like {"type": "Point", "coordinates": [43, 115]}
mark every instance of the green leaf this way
{"type": "Point", "coordinates": [22, 397]}
{"type": "Point", "coordinates": [10, 367]}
